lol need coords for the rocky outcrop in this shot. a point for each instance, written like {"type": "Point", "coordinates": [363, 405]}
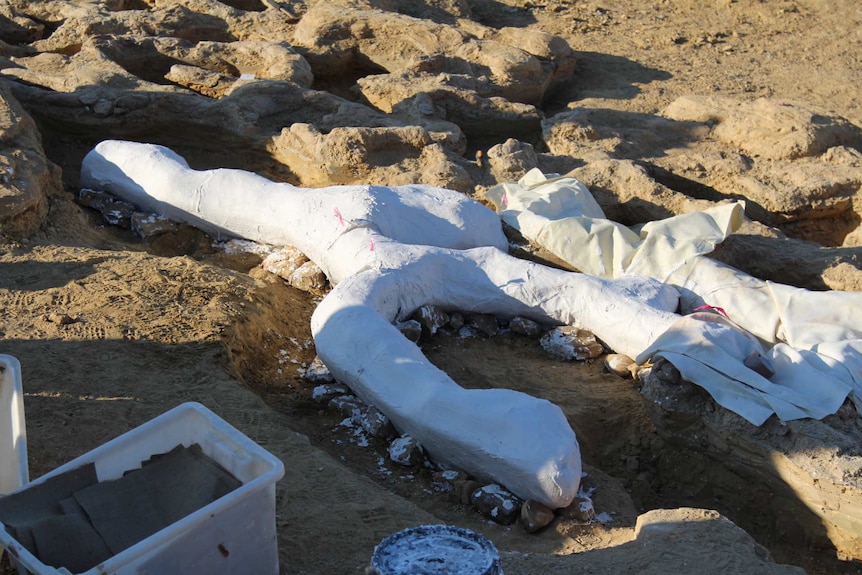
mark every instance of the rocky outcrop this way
{"type": "Point", "coordinates": [799, 172]}
{"type": "Point", "coordinates": [767, 129]}
{"type": "Point", "coordinates": [425, 98]}
{"type": "Point", "coordinates": [27, 177]}
{"type": "Point", "coordinates": [391, 156]}
{"type": "Point", "coordinates": [518, 65]}
{"type": "Point", "coordinates": [812, 467]}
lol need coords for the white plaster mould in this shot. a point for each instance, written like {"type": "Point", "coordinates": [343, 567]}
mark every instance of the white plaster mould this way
{"type": "Point", "coordinates": [390, 250]}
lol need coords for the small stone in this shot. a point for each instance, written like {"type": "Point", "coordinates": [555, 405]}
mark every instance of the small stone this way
{"type": "Point", "coordinates": [318, 372]}
{"type": "Point", "coordinates": [103, 108]}
{"type": "Point", "coordinates": [569, 342]}
{"type": "Point", "coordinates": [444, 481]}
{"type": "Point", "coordinates": [208, 83]}
{"type": "Point", "coordinates": [581, 510]}
{"type": "Point", "coordinates": [89, 97]}
{"type": "Point", "coordinates": [349, 406]}
{"type": "Point", "coordinates": [431, 317]}
{"type": "Point", "coordinates": [466, 331]}
{"type": "Point", "coordinates": [664, 372]}
{"type": "Point", "coordinates": [411, 329]}
{"type": "Point", "coordinates": [375, 423]}
{"type": "Point", "coordinates": [309, 278]}
{"type": "Point", "coordinates": [150, 225]}
{"type": "Point", "coordinates": [326, 392]}
{"type": "Point", "coordinates": [535, 515]}
{"type": "Point", "coordinates": [450, 476]}
{"type": "Point", "coordinates": [283, 261]}
{"type": "Point", "coordinates": [511, 159]}
{"type": "Point", "coordinates": [464, 489]}
{"type": "Point", "coordinates": [456, 321]}
{"type": "Point", "coordinates": [115, 211]}
{"type": "Point", "coordinates": [485, 324]}
{"type": "Point", "coordinates": [525, 326]}
{"type": "Point", "coordinates": [480, 159]}
{"type": "Point", "coordinates": [60, 318]}
{"type": "Point", "coordinates": [118, 213]}
{"type": "Point", "coordinates": [632, 464]}
{"type": "Point", "coordinates": [405, 451]}
{"type": "Point", "coordinates": [95, 199]}
{"type": "Point", "coordinates": [620, 364]}
{"type": "Point", "coordinates": [497, 504]}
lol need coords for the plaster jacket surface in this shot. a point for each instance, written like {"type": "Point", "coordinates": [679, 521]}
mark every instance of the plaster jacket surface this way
{"type": "Point", "coordinates": [390, 250]}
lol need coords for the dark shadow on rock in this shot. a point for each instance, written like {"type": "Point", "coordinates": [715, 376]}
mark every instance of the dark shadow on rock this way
{"type": "Point", "coordinates": [199, 27]}
{"type": "Point", "coordinates": [628, 212]}
{"type": "Point", "coordinates": [789, 261]}
{"type": "Point", "coordinates": [600, 75]}
{"type": "Point", "coordinates": [497, 14]}
{"type": "Point", "coordinates": [208, 133]}
{"type": "Point", "coordinates": [142, 59]}
{"type": "Point", "coordinates": [13, 33]}
{"type": "Point", "coordinates": [426, 10]}
{"type": "Point", "coordinates": [245, 5]}
{"type": "Point", "coordinates": [700, 191]}
{"type": "Point", "coordinates": [341, 82]}
{"type": "Point", "coordinates": [123, 5]}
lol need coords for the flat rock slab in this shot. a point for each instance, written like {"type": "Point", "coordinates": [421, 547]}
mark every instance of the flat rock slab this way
{"type": "Point", "coordinates": [683, 541]}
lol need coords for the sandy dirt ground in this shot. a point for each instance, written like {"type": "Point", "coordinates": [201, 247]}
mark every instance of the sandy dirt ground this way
{"type": "Point", "coordinates": [112, 331]}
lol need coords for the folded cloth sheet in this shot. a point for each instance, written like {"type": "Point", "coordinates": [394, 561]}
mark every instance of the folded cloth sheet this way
{"type": "Point", "coordinates": [813, 339]}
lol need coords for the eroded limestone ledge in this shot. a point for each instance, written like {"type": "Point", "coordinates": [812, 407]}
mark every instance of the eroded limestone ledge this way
{"type": "Point", "coordinates": [27, 177]}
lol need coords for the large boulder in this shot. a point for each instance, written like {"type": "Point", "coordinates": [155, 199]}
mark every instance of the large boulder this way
{"type": "Point", "coordinates": [628, 194]}
{"type": "Point", "coordinates": [153, 58]}
{"type": "Point", "coordinates": [384, 155]}
{"type": "Point", "coordinates": [452, 98]}
{"type": "Point", "coordinates": [768, 129]}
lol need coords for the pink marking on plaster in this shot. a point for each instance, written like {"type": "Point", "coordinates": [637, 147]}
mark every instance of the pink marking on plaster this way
{"type": "Point", "coordinates": [338, 213]}
{"type": "Point", "coordinates": [712, 308]}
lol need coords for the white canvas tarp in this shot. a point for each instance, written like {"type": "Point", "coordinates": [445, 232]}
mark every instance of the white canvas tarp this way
{"type": "Point", "coordinates": [811, 340]}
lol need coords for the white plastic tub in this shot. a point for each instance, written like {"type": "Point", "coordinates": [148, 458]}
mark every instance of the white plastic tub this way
{"type": "Point", "coordinates": [234, 534]}
{"type": "Point", "coordinates": [14, 472]}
